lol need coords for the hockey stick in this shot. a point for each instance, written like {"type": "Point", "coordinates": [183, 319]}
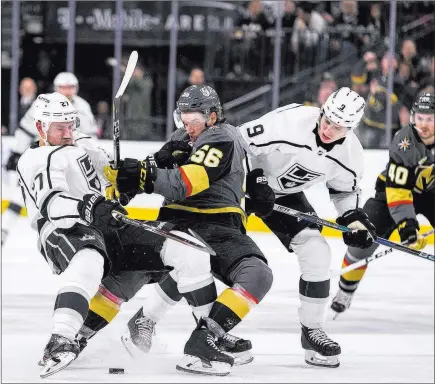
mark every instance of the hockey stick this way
{"type": "Point", "coordinates": [369, 259]}
{"type": "Point", "coordinates": [204, 247]}
{"type": "Point", "coordinates": [342, 228]}
{"type": "Point", "coordinates": [131, 65]}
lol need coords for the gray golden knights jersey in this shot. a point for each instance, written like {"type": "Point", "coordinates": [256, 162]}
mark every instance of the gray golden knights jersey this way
{"type": "Point", "coordinates": [285, 145]}
{"type": "Point", "coordinates": [399, 180]}
{"type": "Point", "coordinates": [26, 132]}
{"type": "Point", "coordinates": [211, 181]}
{"type": "Point", "coordinates": [54, 179]}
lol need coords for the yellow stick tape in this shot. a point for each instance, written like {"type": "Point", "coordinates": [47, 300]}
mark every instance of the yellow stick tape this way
{"type": "Point", "coordinates": [254, 223]}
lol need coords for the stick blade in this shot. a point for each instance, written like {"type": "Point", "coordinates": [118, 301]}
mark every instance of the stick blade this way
{"type": "Point", "coordinates": [131, 65]}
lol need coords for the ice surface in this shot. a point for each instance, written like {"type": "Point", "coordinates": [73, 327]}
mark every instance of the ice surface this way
{"type": "Point", "coordinates": [386, 336]}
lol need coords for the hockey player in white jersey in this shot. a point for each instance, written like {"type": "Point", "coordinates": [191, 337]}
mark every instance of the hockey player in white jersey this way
{"type": "Point", "coordinates": [294, 147]}
{"type": "Point", "coordinates": [66, 84]}
{"type": "Point", "coordinates": [62, 192]}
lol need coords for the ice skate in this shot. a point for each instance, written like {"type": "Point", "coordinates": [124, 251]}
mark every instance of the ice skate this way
{"type": "Point", "coordinates": [320, 350]}
{"type": "Point", "coordinates": [82, 343]}
{"type": "Point", "coordinates": [137, 338]}
{"type": "Point", "coordinates": [202, 355]}
{"type": "Point", "coordinates": [58, 354]}
{"type": "Point", "coordinates": [341, 302]}
{"type": "Point", "coordinates": [238, 348]}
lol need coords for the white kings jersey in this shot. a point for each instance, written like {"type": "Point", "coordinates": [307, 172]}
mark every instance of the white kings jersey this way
{"type": "Point", "coordinates": [26, 131]}
{"type": "Point", "coordinates": [54, 179]}
{"type": "Point", "coordinates": [284, 144]}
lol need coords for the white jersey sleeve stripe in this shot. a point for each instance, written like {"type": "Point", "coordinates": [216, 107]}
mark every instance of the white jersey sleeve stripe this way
{"type": "Point", "coordinates": [27, 189]}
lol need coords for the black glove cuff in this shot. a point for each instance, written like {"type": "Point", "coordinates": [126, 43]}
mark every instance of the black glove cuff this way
{"type": "Point", "coordinates": [86, 207]}
{"type": "Point", "coordinates": [151, 173]}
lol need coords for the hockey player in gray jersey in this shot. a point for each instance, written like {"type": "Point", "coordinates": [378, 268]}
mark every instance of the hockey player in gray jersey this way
{"type": "Point", "coordinates": [205, 194]}
{"type": "Point", "coordinates": [403, 190]}
{"type": "Point", "coordinates": [297, 146]}
{"type": "Point", "coordinates": [66, 84]}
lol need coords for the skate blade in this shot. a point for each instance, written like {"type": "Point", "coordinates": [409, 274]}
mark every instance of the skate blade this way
{"type": "Point", "coordinates": [313, 358]}
{"type": "Point", "coordinates": [336, 315]}
{"type": "Point", "coordinates": [241, 358]}
{"type": "Point", "coordinates": [52, 366]}
{"type": "Point", "coordinates": [133, 351]}
{"type": "Point", "coordinates": [193, 364]}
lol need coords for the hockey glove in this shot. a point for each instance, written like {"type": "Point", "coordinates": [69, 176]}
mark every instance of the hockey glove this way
{"type": "Point", "coordinates": [261, 196]}
{"type": "Point", "coordinates": [363, 231]}
{"type": "Point", "coordinates": [97, 212]}
{"type": "Point", "coordinates": [11, 164]}
{"type": "Point", "coordinates": [112, 192]}
{"type": "Point", "coordinates": [408, 232]}
{"type": "Point", "coordinates": [424, 176]}
{"type": "Point", "coordinates": [173, 154]}
{"type": "Point", "coordinates": [135, 176]}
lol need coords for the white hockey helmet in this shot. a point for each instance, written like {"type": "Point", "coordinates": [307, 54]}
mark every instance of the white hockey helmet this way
{"type": "Point", "coordinates": [54, 107]}
{"type": "Point", "coordinates": [65, 78]}
{"type": "Point", "coordinates": [344, 107]}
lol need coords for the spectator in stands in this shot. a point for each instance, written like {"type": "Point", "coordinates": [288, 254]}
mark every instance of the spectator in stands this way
{"type": "Point", "coordinates": [196, 77]}
{"type": "Point", "coordinates": [289, 15]}
{"type": "Point", "coordinates": [363, 72]}
{"type": "Point", "coordinates": [375, 23]}
{"type": "Point", "coordinates": [408, 55]}
{"type": "Point", "coordinates": [103, 120]}
{"type": "Point", "coordinates": [428, 79]}
{"type": "Point", "coordinates": [28, 93]}
{"type": "Point", "coordinates": [137, 106]}
{"type": "Point", "coordinates": [326, 88]}
{"type": "Point", "coordinates": [288, 20]}
{"type": "Point", "coordinates": [307, 30]}
{"type": "Point", "coordinates": [249, 32]}
{"type": "Point", "coordinates": [346, 23]}
{"type": "Point", "coordinates": [254, 20]}
{"type": "Point", "coordinates": [372, 130]}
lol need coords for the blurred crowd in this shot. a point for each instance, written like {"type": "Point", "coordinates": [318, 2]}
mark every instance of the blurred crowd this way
{"type": "Point", "coordinates": [314, 32]}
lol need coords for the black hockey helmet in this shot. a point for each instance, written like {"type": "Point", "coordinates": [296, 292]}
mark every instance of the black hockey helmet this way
{"type": "Point", "coordinates": [200, 98]}
{"type": "Point", "coordinates": [425, 103]}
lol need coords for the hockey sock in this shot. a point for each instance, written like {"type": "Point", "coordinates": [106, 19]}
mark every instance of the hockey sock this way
{"type": "Point", "coordinates": [232, 305]}
{"type": "Point", "coordinates": [314, 302]}
{"type": "Point", "coordinates": [349, 281]}
{"type": "Point", "coordinates": [202, 299]}
{"type": "Point", "coordinates": [80, 282]}
{"type": "Point", "coordinates": [162, 298]}
{"type": "Point", "coordinates": [103, 308]}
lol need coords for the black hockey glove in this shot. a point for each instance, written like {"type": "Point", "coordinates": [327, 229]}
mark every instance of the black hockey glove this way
{"type": "Point", "coordinates": [136, 176]}
{"type": "Point", "coordinates": [261, 196]}
{"type": "Point", "coordinates": [363, 231]}
{"type": "Point", "coordinates": [97, 211]}
{"type": "Point", "coordinates": [173, 154]}
{"type": "Point", "coordinates": [11, 164]}
{"type": "Point", "coordinates": [408, 232]}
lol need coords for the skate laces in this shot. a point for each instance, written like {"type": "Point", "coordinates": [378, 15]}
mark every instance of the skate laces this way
{"type": "Point", "coordinates": [211, 341]}
{"type": "Point", "coordinates": [319, 337]}
{"type": "Point", "coordinates": [227, 338]}
{"type": "Point", "coordinates": [145, 328]}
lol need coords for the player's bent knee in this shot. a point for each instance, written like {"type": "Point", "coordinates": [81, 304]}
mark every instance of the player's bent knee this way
{"type": "Point", "coordinates": [253, 275]}
{"type": "Point", "coordinates": [187, 261]}
{"type": "Point", "coordinates": [314, 254]}
{"type": "Point", "coordinates": [85, 271]}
